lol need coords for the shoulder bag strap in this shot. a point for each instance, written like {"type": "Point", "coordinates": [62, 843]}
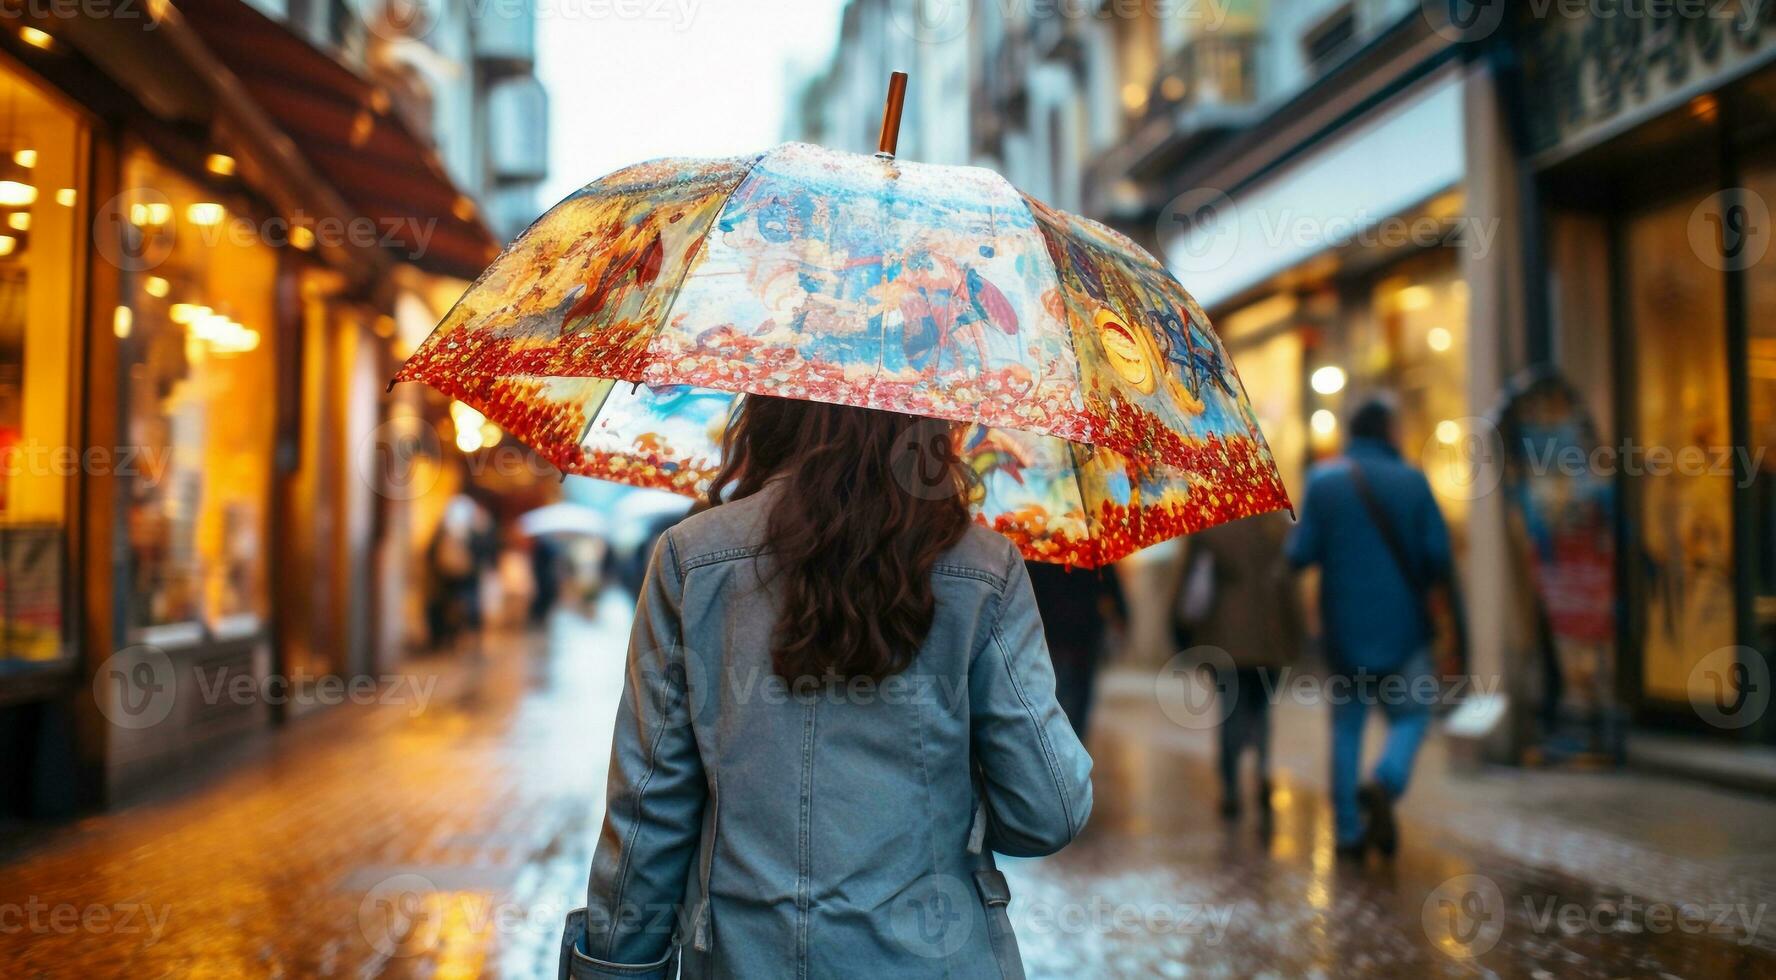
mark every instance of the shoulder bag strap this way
{"type": "Point", "coordinates": [1390, 536]}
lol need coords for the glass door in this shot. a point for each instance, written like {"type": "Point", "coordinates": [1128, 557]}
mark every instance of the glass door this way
{"type": "Point", "coordinates": [1682, 503]}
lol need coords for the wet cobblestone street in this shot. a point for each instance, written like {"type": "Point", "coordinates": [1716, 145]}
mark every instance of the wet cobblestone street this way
{"type": "Point", "coordinates": [450, 841]}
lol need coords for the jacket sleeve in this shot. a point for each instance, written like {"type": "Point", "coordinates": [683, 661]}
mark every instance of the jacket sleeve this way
{"type": "Point", "coordinates": [1435, 536]}
{"type": "Point", "coordinates": [1035, 774]}
{"type": "Point", "coordinates": [656, 790]}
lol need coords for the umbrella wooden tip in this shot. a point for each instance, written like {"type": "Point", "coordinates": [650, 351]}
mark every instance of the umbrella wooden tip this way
{"type": "Point", "coordinates": [897, 83]}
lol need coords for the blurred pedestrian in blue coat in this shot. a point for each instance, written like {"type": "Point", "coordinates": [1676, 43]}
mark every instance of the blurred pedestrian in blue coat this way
{"type": "Point", "coordinates": [1370, 524]}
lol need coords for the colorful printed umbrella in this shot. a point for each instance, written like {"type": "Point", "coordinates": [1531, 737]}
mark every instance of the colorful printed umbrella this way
{"type": "Point", "coordinates": [614, 333]}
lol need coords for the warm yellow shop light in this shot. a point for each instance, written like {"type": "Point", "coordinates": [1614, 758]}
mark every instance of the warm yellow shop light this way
{"type": "Point", "coordinates": [16, 194]}
{"type": "Point", "coordinates": [188, 313]}
{"type": "Point", "coordinates": [150, 213]}
{"type": "Point", "coordinates": [1328, 380]}
{"type": "Point", "coordinates": [205, 213]}
{"type": "Point", "coordinates": [1414, 298]}
{"type": "Point", "coordinates": [471, 427]}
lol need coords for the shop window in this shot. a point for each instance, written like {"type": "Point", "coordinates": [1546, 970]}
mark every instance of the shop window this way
{"type": "Point", "coordinates": [1676, 308]}
{"type": "Point", "coordinates": [1760, 367]}
{"type": "Point", "coordinates": [1405, 332]}
{"type": "Point", "coordinates": [194, 334]}
{"type": "Point", "coordinates": [41, 149]}
{"type": "Point", "coordinates": [1269, 354]}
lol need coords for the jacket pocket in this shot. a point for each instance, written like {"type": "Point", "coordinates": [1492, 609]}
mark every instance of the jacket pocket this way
{"type": "Point", "coordinates": [576, 965]}
{"type": "Point", "coordinates": [995, 895]}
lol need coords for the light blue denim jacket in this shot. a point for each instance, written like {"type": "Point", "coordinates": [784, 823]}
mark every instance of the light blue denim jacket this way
{"type": "Point", "coordinates": [756, 830]}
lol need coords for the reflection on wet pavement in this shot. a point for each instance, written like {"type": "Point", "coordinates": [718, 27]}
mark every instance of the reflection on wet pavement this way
{"type": "Point", "coordinates": [450, 842]}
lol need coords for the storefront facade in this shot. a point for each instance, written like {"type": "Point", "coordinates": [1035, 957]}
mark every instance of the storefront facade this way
{"type": "Point", "coordinates": [46, 142]}
{"type": "Point", "coordinates": [1650, 143]}
{"type": "Point", "coordinates": [1340, 283]}
{"type": "Point", "coordinates": [195, 333]}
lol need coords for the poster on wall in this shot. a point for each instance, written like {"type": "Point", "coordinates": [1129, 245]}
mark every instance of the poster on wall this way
{"type": "Point", "coordinates": [1563, 516]}
{"type": "Point", "coordinates": [31, 595]}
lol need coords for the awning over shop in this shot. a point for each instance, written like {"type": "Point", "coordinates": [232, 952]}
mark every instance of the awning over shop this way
{"type": "Point", "coordinates": [1376, 169]}
{"type": "Point", "coordinates": [348, 130]}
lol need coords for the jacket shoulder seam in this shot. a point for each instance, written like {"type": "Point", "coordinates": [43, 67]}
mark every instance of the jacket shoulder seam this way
{"type": "Point", "coordinates": [721, 555]}
{"type": "Point", "coordinates": [968, 571]}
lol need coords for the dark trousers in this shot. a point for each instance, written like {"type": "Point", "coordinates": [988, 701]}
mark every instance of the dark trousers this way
{"type": "Point", "coordinates": [1245, 705]}
{"type": "Point", "coordinates": [1076, 679]}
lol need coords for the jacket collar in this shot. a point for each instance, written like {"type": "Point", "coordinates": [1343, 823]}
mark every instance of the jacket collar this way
{"type": "Point", "coordinates": [1366, 448]}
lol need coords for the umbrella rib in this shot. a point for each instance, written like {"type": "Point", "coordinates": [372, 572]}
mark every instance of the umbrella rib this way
{"type": "Point", "coordinates": [1066, 313]}
{"type": "Point", "coordinates": [592, 416]}
{"type": "Point", "coordinates": [702, 243]}
{"type": "Point", "coordinates": [1084, 508]}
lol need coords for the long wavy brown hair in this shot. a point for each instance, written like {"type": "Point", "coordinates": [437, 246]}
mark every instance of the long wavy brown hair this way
{"type": "Point", "coordinates": [870, 501]}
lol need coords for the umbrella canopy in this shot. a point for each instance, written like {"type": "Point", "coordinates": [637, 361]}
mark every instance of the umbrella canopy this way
{"type": "Point", "coordinates": [1097, 388]}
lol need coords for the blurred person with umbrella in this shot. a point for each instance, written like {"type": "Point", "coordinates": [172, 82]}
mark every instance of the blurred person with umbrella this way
{"type": "Point", "coordinates": [549, 562]}
{"type": "Point", "coordinates": [463, 547]}
{"type": "Point", "coordinates": [640, 517]}
{"type": "Point", "coordinates": [845, 355]}
{"type": "Point", "coordinates": [1371, 525]}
